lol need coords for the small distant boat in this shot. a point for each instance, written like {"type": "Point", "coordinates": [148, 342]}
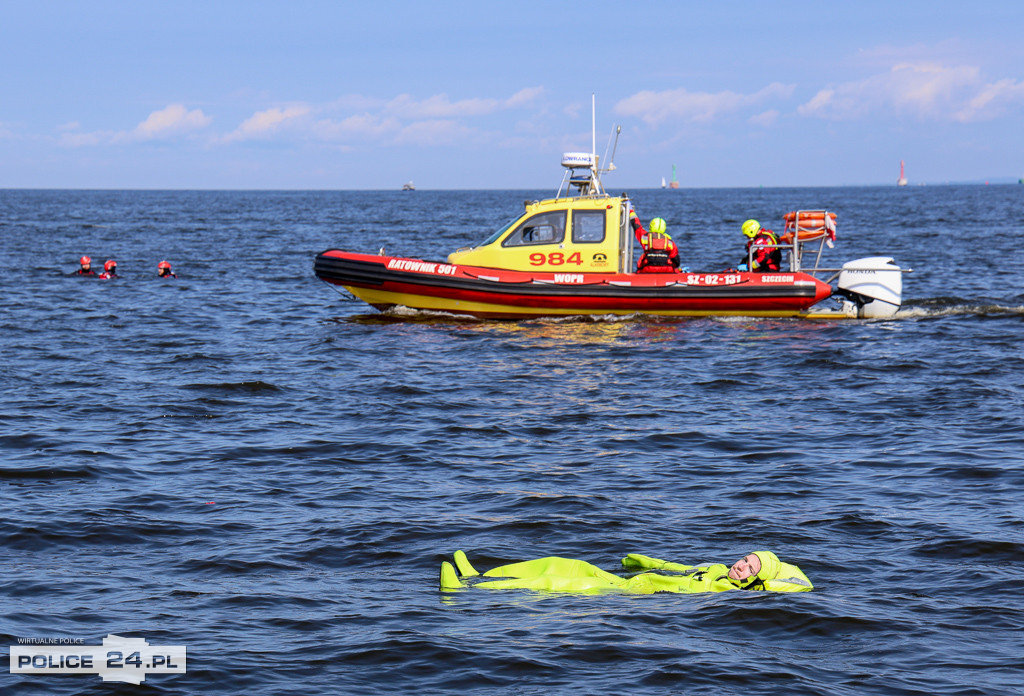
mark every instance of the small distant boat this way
{"type": "Point", "coordinates": [663, 184]}
{"type": "Point", "coordinates": [674, 184]}
{"type": "Point", "coordinates": [902, 181]}
{"type": "Point", "coordinates": [408, 187]}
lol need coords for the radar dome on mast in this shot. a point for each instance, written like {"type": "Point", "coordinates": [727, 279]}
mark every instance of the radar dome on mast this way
{"type": "Point", "coordinates": [583, 168]}
{"type": "Point", "coordinates": [582, 173]}
{"type": "Point", "coordinates": [575, 160]}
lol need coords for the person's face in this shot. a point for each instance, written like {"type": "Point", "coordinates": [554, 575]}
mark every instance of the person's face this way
{"type": "Point", "coordinates": [745, 567]}
{"type": "Point", "coordinates": [86, 266]}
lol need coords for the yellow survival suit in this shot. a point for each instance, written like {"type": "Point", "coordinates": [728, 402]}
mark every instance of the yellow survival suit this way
{"type": "Point", "coordinates": [556, 574]}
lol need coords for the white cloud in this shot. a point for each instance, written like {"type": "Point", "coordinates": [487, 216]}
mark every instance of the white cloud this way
{"type": "Point", "coordinates": [654, 108]}
{"type": "Point", "coordinates": [765, 119]}
{"type": "Point", "coordinates": [405, 120]}
{"type": "Point", "coordinates": [388, 130]}
{"type": "Point", "coordinates": [524, 97]}
{"type": "Point", "coordinates": [921, 90]}
{"type": "Point", "coordinates": [402, 120]}
{"type": "Point", "coordinates": [440, 106]}
{"type": "Point", "coordinates": [356, 126]}
{"type": "Point", "coordinates": [435, 132]}
{"type": "Point", "coordinates": [169, 121]}
{"type": "Point", "coordinates": [264, 123]}
{"type": "Point", "coordinates": [992, 101]}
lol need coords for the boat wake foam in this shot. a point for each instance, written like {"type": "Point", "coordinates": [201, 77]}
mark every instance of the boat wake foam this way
{"type": "Point", "coordinates": [400, 313]}
{"type": "Point", "coordinates": [939, 307]}
{"type": "Point", "coordinates": [947, 307]}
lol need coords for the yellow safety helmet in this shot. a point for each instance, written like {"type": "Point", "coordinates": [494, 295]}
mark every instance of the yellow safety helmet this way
{"type": "Point", "coordinates": [751, 228]}
{"type": "Point", "coordinates": [658, 226]}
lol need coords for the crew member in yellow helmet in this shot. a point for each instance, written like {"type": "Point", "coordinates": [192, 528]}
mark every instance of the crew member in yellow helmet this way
{"type": "Point", "coordinates": [661, 255]}
{"type": "Point", "coordinates": [762, 251]}
{"type": "Point", "coordinates": [760, 570]}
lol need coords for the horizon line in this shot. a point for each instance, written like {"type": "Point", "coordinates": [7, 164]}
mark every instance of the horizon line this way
{"type": "Point", "coordinates": [1001, 181]}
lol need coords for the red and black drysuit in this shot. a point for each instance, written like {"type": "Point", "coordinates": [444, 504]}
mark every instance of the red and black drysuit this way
{"type": "Point", "coordinates": [765, 256]}
{"type": "Point", "coordinates": [661, 255]}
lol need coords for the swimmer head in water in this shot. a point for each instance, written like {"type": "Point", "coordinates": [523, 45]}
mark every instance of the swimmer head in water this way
{"type": "Point", "coordinates": [745, 567]}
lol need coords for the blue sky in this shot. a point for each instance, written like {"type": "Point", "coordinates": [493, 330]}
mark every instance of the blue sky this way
{"type": "Point", "coordinates": [344, 95]}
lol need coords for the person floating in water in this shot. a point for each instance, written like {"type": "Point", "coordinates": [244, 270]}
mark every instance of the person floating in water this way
{"type": "Point", "coordinates": [109, 270]}
{"type": "Point", "coordinates": [163, 269]}
{"type": "Point", "coordinates": [85, 267]}
{"type": "Point", "coordinates": [760, 570]}
{"type": "Point", "coordinates": [661, 255]}
{"type": "Point", "coordinates": [761, 248]}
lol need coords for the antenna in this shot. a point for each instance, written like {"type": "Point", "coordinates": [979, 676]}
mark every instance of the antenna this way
{"type": "Point", "coordinates": [593, 126]}
{"type": "Point", "coordinates": [611, 162]}
{"type": "Point", "coordinates": [588, 184]}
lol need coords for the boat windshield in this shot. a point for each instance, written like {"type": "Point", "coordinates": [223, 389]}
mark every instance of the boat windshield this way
{"type": "Point", "coordinates": [504, 228]}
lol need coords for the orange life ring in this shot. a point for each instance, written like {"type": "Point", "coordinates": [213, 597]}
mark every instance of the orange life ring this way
{"type": "Point", "coordinates": [806, 235]}
{"type": "Point", "coordinates": [811, 226]}
{"type": "Point", "coordinates": [809, 216]}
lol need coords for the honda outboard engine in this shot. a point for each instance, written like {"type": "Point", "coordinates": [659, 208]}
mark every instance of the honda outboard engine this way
{"type": "Point", "coordinates": [872, 286]}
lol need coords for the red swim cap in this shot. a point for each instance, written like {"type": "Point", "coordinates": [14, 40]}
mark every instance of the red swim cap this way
{"type": "Point", "coordinates": [110, 264]}
{"type": "Point", "coordinates": [163, 264]}
{"type": "Point", "coordinates": [84, 260]}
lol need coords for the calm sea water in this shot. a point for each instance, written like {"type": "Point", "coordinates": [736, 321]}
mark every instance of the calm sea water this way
{"type": "Point", "coordinates": [247, 463]}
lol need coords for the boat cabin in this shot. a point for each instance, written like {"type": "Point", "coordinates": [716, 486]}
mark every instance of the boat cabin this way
{"type": "Point", "coordinates": [588, 232]}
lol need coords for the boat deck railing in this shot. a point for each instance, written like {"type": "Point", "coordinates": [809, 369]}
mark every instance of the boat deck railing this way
{"type": "Point", "coordinates": [798, 247]}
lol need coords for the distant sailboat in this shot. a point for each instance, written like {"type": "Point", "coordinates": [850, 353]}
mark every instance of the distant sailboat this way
{"type": "Point", "coordinates": [408, 187]}
{"type": "Point", "coordinates": [902, 181]}
{"type": "Point", "coordinates": [673, 184]}
{"type": "Point", "coordinates": [663, 184]}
